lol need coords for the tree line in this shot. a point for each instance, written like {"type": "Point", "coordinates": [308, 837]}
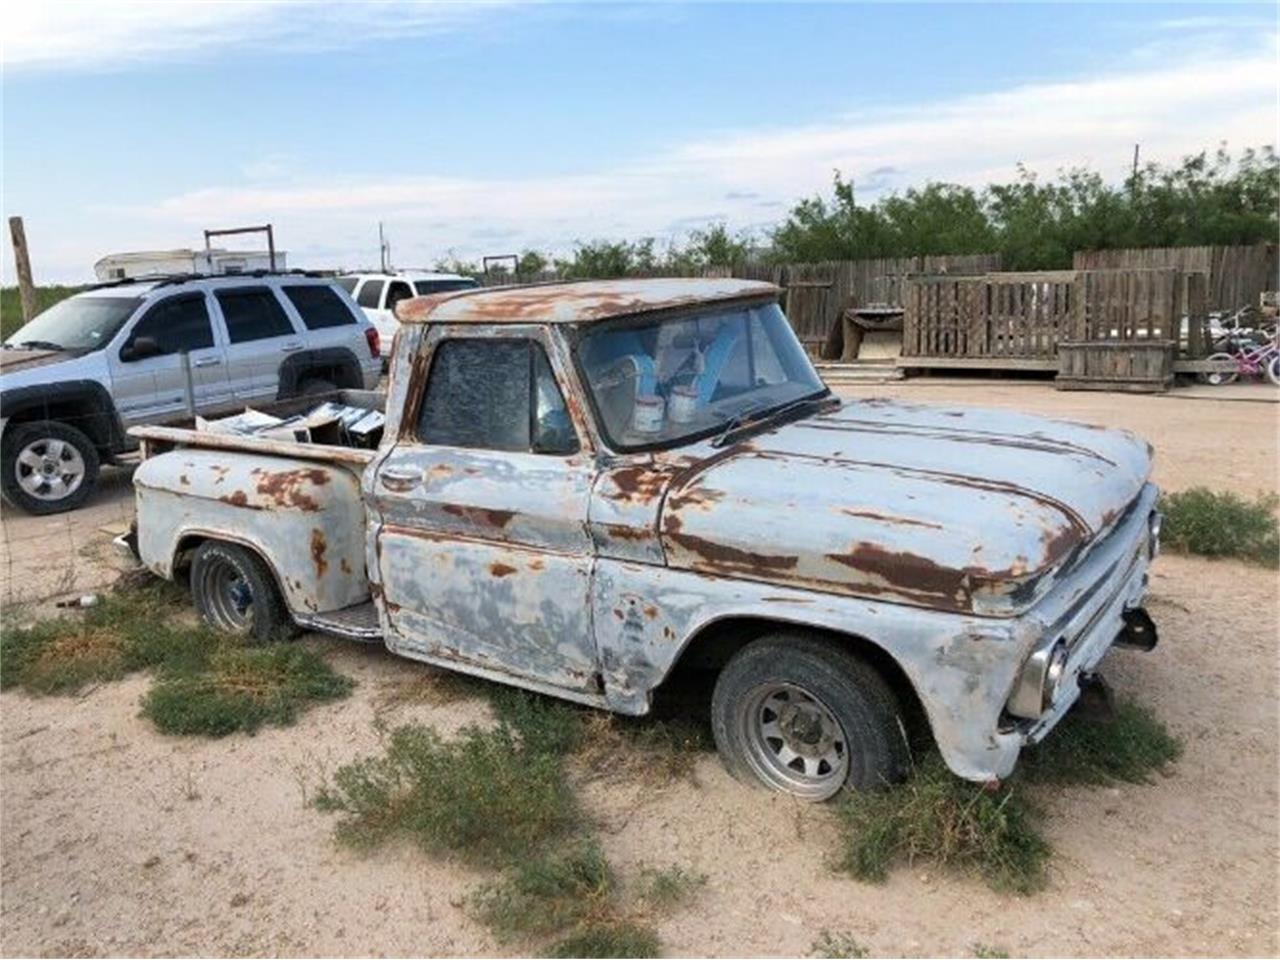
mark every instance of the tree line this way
{"type": "Point", "coordinates": [1034, 223]}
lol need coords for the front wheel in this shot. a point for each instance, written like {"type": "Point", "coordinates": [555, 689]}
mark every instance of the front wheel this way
{"type": "Point", "coordinates": [1273, 370]}
{"type": "Point", "coordinates": [48, 467]}
{"type": "Point", "coordinates": [235, 592]}
{"type": "Point", "coordinates": [1226, 373]}
{"type": "Point", "coordinates": [804, 716]}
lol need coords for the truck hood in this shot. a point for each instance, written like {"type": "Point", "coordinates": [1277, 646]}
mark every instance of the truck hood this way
{"type": "Point", "coordinates": [950, 508]}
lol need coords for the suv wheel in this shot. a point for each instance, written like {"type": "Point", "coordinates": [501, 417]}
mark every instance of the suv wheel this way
{"type": "Point", "coordinates": [804, 716]}
{"type": "Point", "coordinates": [47, 467]}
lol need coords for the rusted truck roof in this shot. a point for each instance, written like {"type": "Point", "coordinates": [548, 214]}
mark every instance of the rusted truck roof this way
{"type": "Point", "coordinates": [576, 302]}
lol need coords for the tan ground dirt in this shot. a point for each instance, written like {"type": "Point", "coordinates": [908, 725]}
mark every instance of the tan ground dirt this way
{"type": "Point", "coordinates": [117, 840]}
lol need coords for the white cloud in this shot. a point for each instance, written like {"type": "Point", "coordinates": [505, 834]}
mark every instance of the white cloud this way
{"type": "Point", "coordinates": [77, 35]}
{"type": "Point", "coordinates": [328, 218]}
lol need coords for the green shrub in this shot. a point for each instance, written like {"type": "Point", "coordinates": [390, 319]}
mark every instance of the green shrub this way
{"type": "Point", "coordinates": [484, 795]}
{"type": "Point", "coordinates": [939, 817]}
{"type": "Point", "coordinates": [620, 939]}
{"type": "Point", "coordinates": [669, 886]}
{"type": "Point", "coordinates": [1222, 524]}
{"type": "Point", "coordinates": [240, 688]}
{"type": "Point", "coordinates": [831, 946]}
{"type": "Point", "coordinates": [1129, 746]}
{"type": "Point", "coordinates": [547, 893]}
{"type": "Point", "coordinates": [128, 630]}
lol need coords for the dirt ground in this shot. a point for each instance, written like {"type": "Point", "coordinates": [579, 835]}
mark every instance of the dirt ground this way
{"type": "Point", "coordinates": [117, 840]}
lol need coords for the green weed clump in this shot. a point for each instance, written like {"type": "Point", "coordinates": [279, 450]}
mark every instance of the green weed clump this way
{"type": "Point", "coordinates": [1222, 524]}
{"type": "Point", "coordinates": [669, 886]}
{"type": "Point", "coordinates": [830, 946]}
{"type": "Point", "coordinates": [937, 816]}
{"type": "Point", "coordinates": [548, 893]}
{"type": "Point", "coordinates": [127, 631]}
{"type": "Point", "coordinates": [619, 939]}
{"type": "Point", "coordinates": [205, 682]}
{"type": "Point", "coordinates": [484, 795]}
{"type": "Point", "coordinates": [1129, 746]}
{"type": "Point", "coordinates": [240, 688]}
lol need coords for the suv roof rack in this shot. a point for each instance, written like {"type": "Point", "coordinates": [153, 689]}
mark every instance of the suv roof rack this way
{"type": "Point", "coordinates": [171, 279]}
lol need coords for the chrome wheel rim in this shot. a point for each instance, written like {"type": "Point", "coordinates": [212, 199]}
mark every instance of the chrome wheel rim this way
{"type": "Point", "coordinates": [228, 596]}
{"type": "Point", "coordinates": [794, 742]}
{"type": "Point", "coordinates": [49, 469]}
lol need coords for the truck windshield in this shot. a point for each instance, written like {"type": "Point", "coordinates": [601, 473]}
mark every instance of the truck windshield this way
{"type": "Point", "coordinates": [77, 323]}
{"type": "Point", "coordinates": [670, 381]}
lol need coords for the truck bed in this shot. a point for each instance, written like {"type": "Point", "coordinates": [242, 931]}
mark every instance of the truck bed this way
{"type": "Point", "coordinates": [161, 439]}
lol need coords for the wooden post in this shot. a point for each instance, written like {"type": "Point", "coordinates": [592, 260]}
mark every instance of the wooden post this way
{"type": "Point", "coordinates": [26, 288]}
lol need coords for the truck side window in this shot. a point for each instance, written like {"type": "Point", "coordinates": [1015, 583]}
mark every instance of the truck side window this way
{"type": "Point", "coordinates": [176, 324]}
{"type": "Point", "coordinates": [494, 395]}
{"type": "Point", "coordinates": [253, 313]}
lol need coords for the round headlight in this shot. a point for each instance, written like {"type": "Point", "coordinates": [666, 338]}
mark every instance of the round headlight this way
{"type": "Point", "coordinates": [1154, 523]}
{"type": "Point", "coordinates": [1054, 671]}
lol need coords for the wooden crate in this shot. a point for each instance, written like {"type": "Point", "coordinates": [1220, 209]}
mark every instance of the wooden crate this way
{"type": "Point", "coordinates": [1133, 366]}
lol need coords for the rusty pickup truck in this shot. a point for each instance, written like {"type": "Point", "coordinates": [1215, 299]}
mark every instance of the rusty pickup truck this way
{"type": "Point", "coordinates": [585, 488]}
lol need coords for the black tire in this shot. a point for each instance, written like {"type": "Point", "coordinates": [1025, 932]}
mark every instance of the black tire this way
{"type": "Point", "coordinates": [825, 702]}
{"type": "Point", "coordinates": [235, 592]}
{"type": "Point", "coordinates": [316, 387]}
{"type": "Point", "coordinates": [36, 488]}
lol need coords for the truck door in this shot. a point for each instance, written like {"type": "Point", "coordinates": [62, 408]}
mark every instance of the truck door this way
{"type": "Point", "coordinates": [483, 547]}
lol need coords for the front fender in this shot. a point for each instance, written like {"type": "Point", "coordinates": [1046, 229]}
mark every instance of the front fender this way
{"type": "Point", "coordinates": [961, 667]}
{"type": "Point", "coordinates": [304, 518]}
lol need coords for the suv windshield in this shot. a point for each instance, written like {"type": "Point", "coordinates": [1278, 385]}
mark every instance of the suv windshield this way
{"type": "Point", "coordinates": [77, 323]}
{"type": "Point", "coordinates": [669, 381]}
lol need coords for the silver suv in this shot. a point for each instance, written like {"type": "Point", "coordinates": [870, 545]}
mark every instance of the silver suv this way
{"type": "Point", "coordinates": [75, 378]}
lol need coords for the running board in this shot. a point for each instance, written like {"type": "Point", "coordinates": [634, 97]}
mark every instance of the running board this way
{"type": "Point", "coordinates": [358, 622]}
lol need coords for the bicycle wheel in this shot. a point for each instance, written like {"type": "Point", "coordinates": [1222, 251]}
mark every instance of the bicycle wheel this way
{"type": "Point", "coordinates": [1228, 372]}
{"type": "Point", "coordinates": [1273, 369]}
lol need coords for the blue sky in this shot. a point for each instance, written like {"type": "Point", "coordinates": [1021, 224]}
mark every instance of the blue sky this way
{"type": "Point", "coordinates": [488, 128]}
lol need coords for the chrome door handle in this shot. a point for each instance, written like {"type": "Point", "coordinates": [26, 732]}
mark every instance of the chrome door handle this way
{"type": "Point", "coordinates": [208, 362]}
{"type": "Point", "coordinates": [400, 480]}
{"type": "Point", "coordinates": [290, 347]}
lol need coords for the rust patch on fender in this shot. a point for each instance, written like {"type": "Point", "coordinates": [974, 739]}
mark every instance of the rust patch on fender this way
{"type": "Point", "coordinates": [499, 569]}
{"type": "Point", "coordinates": [480, 516]}
{"type": "Point", "coordinates": [889, 518]}
{"type": "Point", "coordinates": [287, 488]}
{"type": "Point", "coordinates": [318, 547]}
{"type": "Point", "coordinates": [721, 557]}
{"type": "Point", "coordinates": [239, 498]}
{"type": "Point", "coordinates": [639, 484]}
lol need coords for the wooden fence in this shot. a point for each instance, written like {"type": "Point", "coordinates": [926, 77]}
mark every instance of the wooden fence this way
{"type": "Point", "coordinates": [1019, 319]}
{"type": "Point", "coordinates": [1236, 275]}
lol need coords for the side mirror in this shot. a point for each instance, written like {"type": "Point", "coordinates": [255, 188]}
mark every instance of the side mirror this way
{"type": "Point", "coordinates": [140, 348]}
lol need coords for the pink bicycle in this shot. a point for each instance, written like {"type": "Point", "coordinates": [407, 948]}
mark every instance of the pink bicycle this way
{"type": "Point", "coordinates": [1253, 362]}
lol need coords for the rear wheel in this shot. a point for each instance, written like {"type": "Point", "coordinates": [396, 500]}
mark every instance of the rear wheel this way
{"type": "Point", "coordinates": [235, 592]}
{"type": "Point", "coordinates": [47, 467]}
{"type": "Point", "coordinates": [803, 716]}
{"type": "Point", "coordinates": [1273, 370]}
{"type": "Point", "coordinates": [1227, 372]}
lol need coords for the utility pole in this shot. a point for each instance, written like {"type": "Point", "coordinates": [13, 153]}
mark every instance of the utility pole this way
{"type": "Point", "coordinates": [26, 288]}
{"type": "Point", "coordinates": [384, 250]}
{"type": "Point", "coordinates": [1135, 161]}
